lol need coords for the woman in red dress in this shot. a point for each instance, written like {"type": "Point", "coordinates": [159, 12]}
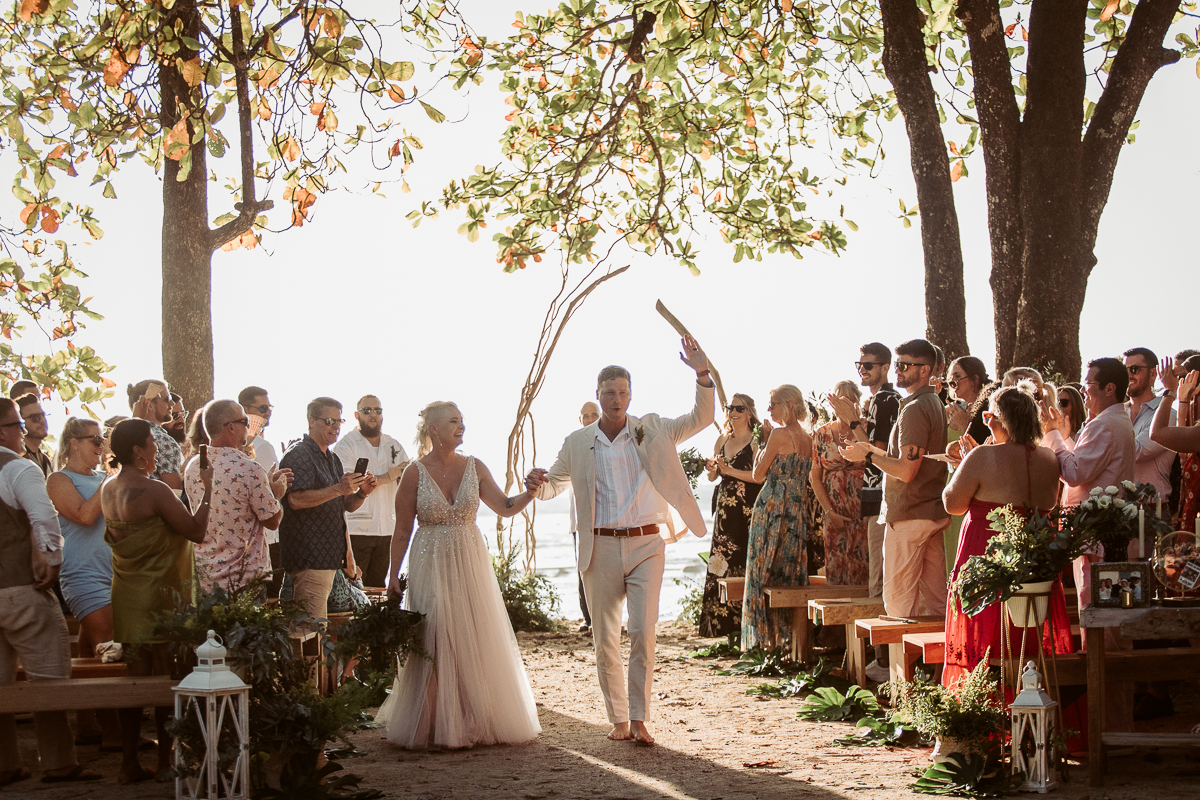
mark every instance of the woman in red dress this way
{"type": "Point", "coordinates": [1015, 471]}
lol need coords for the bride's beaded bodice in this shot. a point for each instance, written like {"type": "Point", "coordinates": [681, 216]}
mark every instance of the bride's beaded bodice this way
{"type": "Point", "coordinates": [434, 509]}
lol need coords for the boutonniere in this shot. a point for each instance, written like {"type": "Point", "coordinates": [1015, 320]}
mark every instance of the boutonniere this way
{"type": "Point", "coordinates": [639, 434]}
{"type": "Point", "coordinates": [394, 454]}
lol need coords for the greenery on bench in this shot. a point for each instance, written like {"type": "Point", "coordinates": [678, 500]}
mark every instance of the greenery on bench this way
{"type": "Point", "coordinates": [827, 704]}
{"type": "Point", "coordinates": [530, 599]}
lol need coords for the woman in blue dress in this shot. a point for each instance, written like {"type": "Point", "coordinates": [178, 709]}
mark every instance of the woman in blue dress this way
{"type": "Point", "coordinates": [776, 554]}
{"type": "Point", "coordinates": [86, 573]}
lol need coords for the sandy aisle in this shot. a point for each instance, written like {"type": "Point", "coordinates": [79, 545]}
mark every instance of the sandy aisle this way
{"type": "Point", "coordinates": [706, 727]}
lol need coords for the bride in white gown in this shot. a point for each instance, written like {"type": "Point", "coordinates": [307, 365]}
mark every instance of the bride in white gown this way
{"type": "Point", "coordinates": [474, 691]}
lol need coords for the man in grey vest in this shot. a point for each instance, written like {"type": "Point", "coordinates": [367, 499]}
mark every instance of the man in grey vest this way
{"type": "Point", "coordinates": [32, 625]}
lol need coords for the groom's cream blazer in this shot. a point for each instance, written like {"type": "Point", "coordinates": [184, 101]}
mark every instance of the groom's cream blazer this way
{"type": "Point", "coordinates": [576, 464]}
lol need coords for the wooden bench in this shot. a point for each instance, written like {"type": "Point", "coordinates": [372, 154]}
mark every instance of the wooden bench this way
{"type": "Point", "coordinates": [731, 587]}
{"type": "Point", "coordinates": [90, 668]}
{"type": "Point", "coordinates": [68, 695]}
{"type": "Point", "coordinates": [846, 611]}
{"type": "Point", "coordinates": [882, 631]}
{"type": "Point", "coordinates": [797, 597]}
{"type": "Point", "coordinates": [928, 647]}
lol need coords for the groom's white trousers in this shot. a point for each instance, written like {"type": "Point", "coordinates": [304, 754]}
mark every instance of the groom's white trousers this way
{"type": "Point", "coordinates": [624, 567]}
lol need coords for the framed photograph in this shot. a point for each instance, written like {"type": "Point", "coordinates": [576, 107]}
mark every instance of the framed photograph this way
{"type": "Point", "coordinates": [1111, 581]}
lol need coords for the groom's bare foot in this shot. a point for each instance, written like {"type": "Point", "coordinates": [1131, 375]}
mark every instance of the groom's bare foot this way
{"type": "Point", "coordinates": [639, 733]}
{"type": "Point", "coordinates": [620, 732]}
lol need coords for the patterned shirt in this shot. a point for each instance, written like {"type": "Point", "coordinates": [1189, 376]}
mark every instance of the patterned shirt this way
{"type": "Point", "coordinates": [882, 411]}
{"type": "Point", "coordinates": [234, 550]}
{"type": "Point", "coordinates": [170, 457]}
{"type": "Point", "coordinates": [312, 538]}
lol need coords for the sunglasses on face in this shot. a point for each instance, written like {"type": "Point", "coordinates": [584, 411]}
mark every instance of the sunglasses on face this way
{"type": "Point", "coordinates": [741, 409]}
{"type": "Point", "coordinates": [96, 440]}
{"type": "Point", "coordinates": [178, 414]}
{"type": "Point", "coordinates": [19, 422]}
{"type": "Point", "coordinates": [371, 410]}
{"type": "Point", "coordinates": [330, 421]}
{"type": "Point", "coordinates": [39, 417]}
{"type": "Point", "coordinates": [265, 408]}
{"type": "Point", "coordinates": [1064, 403]}
{"type": "Point", "coordinates": [866, 366]}
{"type": "Point", "coordinates": [1136, 369]}
{"type": "Point", "coordinates": [902, 366]}
{"type": "Point", "coordinates": [243, 421]}
{"type": "Point", "coordinates": [952, 383]}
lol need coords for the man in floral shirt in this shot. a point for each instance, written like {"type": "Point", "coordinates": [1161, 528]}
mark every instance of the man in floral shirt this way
{"type": "Point", "coordinates": [245, 500]}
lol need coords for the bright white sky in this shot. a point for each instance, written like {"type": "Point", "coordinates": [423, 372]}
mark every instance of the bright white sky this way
{"type": "Point", "coordinates": [357, 301]}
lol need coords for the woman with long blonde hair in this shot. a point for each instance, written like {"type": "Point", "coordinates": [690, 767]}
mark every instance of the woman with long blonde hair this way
{"type": "Point", "coordinates": [837, 483]}
{"type": "Point", "coordinates": [776, 555]}
{"type": "Point", "coordinates": [473, 690]}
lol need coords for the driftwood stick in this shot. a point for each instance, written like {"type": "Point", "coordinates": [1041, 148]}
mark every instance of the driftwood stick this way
{"type": "Point", "coordinates": [683, 331]}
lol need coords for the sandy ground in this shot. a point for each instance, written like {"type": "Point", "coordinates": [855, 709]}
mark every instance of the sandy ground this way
{"type": "Point", "coordinates": [708, 730]}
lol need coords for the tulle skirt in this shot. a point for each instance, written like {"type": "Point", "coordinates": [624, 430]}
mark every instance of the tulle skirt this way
{"type": "Point", "coordinates": [475, 690]}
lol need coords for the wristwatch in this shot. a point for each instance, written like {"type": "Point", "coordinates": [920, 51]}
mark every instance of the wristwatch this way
{"type": "Point", "coordinates": [855, 424]}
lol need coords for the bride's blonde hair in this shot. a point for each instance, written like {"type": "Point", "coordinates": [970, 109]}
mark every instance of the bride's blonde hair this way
{"type": "Point", "coordinates": [424, 441]}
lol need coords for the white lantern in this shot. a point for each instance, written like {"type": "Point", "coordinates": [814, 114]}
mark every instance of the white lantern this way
{"type": "Point", "coordinates": [212, 692]}
{"type": "Point", "coordinates": [1033, 728]}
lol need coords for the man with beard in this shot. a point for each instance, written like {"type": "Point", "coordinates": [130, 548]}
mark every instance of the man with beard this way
{"type": "Point", "coordinates": [914, 580]}
{"type": "Point", "coordinates": [255, 403]}
{"type": "Point", "coordinates": [36, 431]}
{"type": "Point", "coordinates": [177, 427]}
{"type": "Point", "coordinates": [151, 400]}
{"type": "Point", "coordinates": [1154, 461]}
{"type": "Point", "coordinates": [372, 524]}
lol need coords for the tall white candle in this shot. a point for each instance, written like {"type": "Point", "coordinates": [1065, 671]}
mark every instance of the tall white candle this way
{"type": "Point", "coordinates": [1158, 508]}
{"type": "Point", "coordinates": [1141, 532]}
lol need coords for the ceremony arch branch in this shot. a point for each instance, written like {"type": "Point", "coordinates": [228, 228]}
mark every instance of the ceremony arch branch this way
{"type": "Point", "coordinates": [564, 305]}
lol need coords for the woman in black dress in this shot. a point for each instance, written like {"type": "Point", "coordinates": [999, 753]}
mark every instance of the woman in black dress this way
{"type": "Point", "coordinates": [733, 500]}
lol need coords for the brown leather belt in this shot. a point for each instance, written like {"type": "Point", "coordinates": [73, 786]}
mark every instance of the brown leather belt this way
{"type": "Point", "coordinates": [625, 533]}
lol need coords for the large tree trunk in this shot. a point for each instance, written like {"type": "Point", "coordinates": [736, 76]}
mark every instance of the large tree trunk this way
{"type": "Point", "coordinates": [906, 69]}
{"type": "Point", "coordinates": [1000, 136]}
{"type": "Point", "coordinates": [1056, 261]}
{"type": "Point", "coordinates": [187, 348]}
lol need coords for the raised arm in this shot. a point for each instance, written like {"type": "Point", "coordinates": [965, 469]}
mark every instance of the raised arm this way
{"type": "Point", "coordinates": [190, 525]}
{"type": "Point", "coordinates": [406, 515]}
{"type": "Point", "coordinates": [493, 496]}
{"type": "Point", "coordinates": [964, 483]}
{"type": "Point", "coordinates": [70, 503]}
{"type": "Point", "coordinates": [768, 454]}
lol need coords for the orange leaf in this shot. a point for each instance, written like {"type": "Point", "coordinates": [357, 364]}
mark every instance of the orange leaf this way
{"type": "Point", "coordinates": [333, 25]}
{"type": "Point", "coordinates": [191, 71]}
{"type": "Point", "coordinates": [956, 171]}
{"type": "Point", "coordinates": [1009, 30]}
{"type": "Point", "coordinates": [29, 209]}
{"type": "Point", "coordinates": [57, 333]}
{"type": "Point", "coordinates": [396, 92]}
{"type": "Point", "coordinates": [115, 69]}
{"type": "Point", "coordinates": [815, 235]}
{"type": "Point", "coordinates": [264, 108]}
{"type": "Point", "coordinates": [177, 142]}
{"type": "Point", "coordinates": [291, 149]}
{"type": "Point", "coordinates": [31, 7]}
{"type": "Point", "coordinates": [751, 120]}
{"type": "Point", "coordinates": [1024, 34]}
{"type": "Point", "coordinates": [954, 148]}
{"type": "Point", "coordinates": [316, 108]}
{"type": "Point", "coordinates": [66, 102]}
{"type": "Point", "coordinates": [58, 151]}
{"type": "Point", "coordinates": [268, 78]}
{"type": "Point", "coordinates": [247, 240]}
{"type": "Point", "coordinates": [394, 150]}
{"type": "Point", "coordinates": [786, 5]}
{"type": "Point", "coordinates": [50, 219]}
{"type": "Point", "coordinates": [543, 83]}
{"type": "Point", "coordinates": [1106, 14]}
{"type": "Point", "coordinates": [106, 383]}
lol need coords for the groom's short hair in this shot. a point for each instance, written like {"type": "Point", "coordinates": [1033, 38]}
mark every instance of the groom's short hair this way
{"type": "Point", "coordinates": [612, 373]}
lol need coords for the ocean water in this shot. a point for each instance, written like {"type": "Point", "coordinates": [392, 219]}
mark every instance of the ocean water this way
{"type": "Point", "coordinates": [555, 555]}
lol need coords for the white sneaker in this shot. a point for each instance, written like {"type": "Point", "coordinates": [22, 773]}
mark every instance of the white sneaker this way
{"type": "Point", "coordinates": [878, 673]}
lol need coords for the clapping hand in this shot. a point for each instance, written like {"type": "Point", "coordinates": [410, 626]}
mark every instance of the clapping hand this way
{"type": "Point", "coordinates": [281, 481]}
{"type": "Point", "coordinates": [1166, 373]}
{"type": "Point", "coordinates": [1052, 419]}
{"type": "Point", "coordinates": [844, 409]}
{"type": "Point", "coordinates": [1187, 386]}
{"type": "Point", "coordinates": [854, 452]}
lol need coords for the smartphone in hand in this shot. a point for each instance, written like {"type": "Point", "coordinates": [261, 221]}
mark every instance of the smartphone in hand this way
{"type": "Point", "coordinates": [360, 466]}
{"type": "Point", "coordinates": [203, 456]}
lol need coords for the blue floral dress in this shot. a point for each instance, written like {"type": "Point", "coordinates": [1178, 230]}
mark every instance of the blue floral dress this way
{"type": "Point", "coordinates": [776, 554]}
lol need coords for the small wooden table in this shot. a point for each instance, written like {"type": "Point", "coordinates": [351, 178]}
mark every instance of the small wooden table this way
{"type": "Point", "coordinates": [1155, 622]}
{"type": "Point", "coordinates": [885, 631]}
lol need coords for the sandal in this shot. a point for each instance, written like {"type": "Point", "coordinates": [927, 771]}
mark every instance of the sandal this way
{"type": "Point", "coordinates": [77, 773]}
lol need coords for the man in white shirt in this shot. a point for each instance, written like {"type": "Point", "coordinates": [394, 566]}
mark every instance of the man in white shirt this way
{"type": "Point", "coordinates": [32, 626]}
{"type": "Point", "coordinates": [372, 524]}
{"type": "Point", "coordinates": [626, 475]}
{"type": "Point", "coordinates": [1154, 461]}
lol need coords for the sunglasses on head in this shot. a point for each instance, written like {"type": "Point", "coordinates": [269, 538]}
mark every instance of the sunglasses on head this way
{"type": "Point", "coordinates": [739, 408]}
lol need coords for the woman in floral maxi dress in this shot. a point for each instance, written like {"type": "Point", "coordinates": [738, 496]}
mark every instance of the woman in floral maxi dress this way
{"type": "Point", "coordinates": [776, 554]}
{"type": "Point", "coordinates": [733, 502]}
{"type": "Point", "coordinates": [838, 485]}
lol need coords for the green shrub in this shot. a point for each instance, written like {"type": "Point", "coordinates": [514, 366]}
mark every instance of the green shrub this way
{"type": "Point", "coordinates": [529, 598]}
{"type": "Point", "coordinates": [693, 601]}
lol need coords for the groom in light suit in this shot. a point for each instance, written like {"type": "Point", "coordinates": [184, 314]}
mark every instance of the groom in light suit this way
{"type": "Point", "coordinates": [624, 471]}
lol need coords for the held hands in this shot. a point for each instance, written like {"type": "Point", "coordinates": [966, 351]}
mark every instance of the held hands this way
{"type": "Point", "coordinates": [281, 481]}
{"type": "Point", "coordinates": [692, 355]}
{"type": "Point", "coordinates": [535, 479]}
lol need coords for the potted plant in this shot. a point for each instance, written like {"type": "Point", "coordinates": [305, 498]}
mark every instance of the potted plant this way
{"type": "Point", "coordinates": [968, 718]}
{"type": "Point", "coordinates": [1109, 517]}
{"type": "Point", "coordinates": [1022, 560]}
